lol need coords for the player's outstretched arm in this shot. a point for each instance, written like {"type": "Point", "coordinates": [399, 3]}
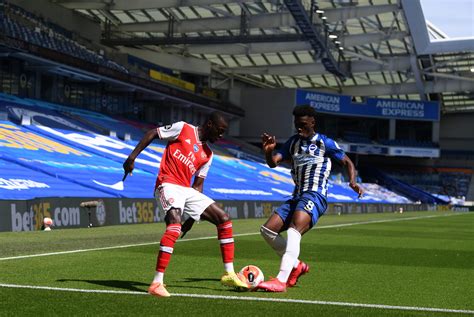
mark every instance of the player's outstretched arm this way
{"type": "Point", "coordinates": [129, 163]}
{"type": "Point", "coordinates": [346, 161]}
{"type": "Point", "coordinates": [268, 145]}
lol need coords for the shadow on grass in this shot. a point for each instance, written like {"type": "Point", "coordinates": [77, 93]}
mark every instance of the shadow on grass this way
{"type": "Point", "coordinates": [194, 279]}
{"type": "Point", "coordinates": [187, 280]}
{"type": "Point", "coordinates": [128, 285]}
{"type": "Point", "coordinates": [216, 282]}
{"type": "Point", "coordinates": [142, 287]}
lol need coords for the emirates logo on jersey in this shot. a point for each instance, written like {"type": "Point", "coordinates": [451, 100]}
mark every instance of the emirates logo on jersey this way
{"type": "Point", "coordinates": [186, 160]}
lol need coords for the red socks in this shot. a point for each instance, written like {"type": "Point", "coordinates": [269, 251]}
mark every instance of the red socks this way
{"type": "Point", "coordinates": [224, 234]}
{"type": "Point", "coordinates": [166, 245]}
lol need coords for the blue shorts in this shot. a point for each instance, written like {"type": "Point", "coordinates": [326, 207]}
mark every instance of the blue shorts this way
{"type": "Point", "coordinates": [311, 202]}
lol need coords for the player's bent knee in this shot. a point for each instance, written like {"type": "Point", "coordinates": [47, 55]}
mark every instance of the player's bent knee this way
{"type": "Point", "coordinates": [267, 233]}
{"type": "Point", "coordinates": [224, 218]}
{"type": "Point", "coordinates": [173, 216]}
{"type": "Point", "coordinates": [215, 215]}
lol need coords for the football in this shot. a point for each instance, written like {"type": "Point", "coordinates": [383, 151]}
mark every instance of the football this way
{"type": "Point", "coordinates": [47, 223]}
{"type": "Point", "coordinates": [251, 275]}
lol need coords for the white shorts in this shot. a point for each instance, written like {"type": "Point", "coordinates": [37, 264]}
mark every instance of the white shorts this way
{"type": "Point", "coordinates": [187, 199]}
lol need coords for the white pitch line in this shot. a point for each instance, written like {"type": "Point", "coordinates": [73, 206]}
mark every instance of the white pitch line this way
{"type": "Point", "coordinates": [213, 237]}
{"type": "Point", "coordinates": [245, 298]}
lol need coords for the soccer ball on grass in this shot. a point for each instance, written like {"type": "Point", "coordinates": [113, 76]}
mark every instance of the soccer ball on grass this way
{"type": "Point", "coordinates": [251, 275]}
{"type": "Point", "coordinates": [47, 223]}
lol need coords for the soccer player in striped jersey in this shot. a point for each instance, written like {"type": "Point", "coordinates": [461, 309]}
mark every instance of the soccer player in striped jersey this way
{"type": "Point", "coordinates": [187, 154]}
{"type": "Point", "coordinates": [309, 154]}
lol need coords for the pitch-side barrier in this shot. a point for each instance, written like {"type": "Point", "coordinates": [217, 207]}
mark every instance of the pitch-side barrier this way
{"type": "Point", "coordinates": [28, 215]}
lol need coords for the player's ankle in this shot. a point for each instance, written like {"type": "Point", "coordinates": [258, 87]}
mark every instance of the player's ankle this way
{"type": "Point", "coordinates": [229, 267]}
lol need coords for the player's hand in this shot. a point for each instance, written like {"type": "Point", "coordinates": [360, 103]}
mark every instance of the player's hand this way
{"type": "Point", "coordinates": [358, 189]}
{"type": "Point", "coordinates": [268, 142]}
{"type": "Point", "coordinates": [187, 225]}
{"type": "Point", "coordinates": [128, 167]}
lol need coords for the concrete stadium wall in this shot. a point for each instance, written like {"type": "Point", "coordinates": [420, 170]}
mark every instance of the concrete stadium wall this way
{"type": "Point", "coordinates": [267, 110]}
{"type": "Point", "coordinates": [457, 132]}
{"type": "Point", "coordinates": [27, 215]}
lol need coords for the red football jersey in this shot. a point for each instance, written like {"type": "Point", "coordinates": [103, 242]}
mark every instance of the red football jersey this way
{"type": "Point", "coordinates": [185, 155]}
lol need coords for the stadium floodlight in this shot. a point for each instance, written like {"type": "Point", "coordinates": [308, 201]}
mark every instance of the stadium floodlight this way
{"type": "Point", "coordinates": [320, 11]}
{"type": "Point", "coordinates": [332, 36]}
{"type": "Point", "coordinates": [341, 48]}
{"type": "Point", "coordinates": [337, 42]}
{"type": "Point", "coordinates": [324, 18]}
{"type": "Point", "coordinates": [472, 69]}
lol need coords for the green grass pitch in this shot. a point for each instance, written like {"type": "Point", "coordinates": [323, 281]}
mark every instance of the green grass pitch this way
{"type": "Point", "coordinates": [419, 260]}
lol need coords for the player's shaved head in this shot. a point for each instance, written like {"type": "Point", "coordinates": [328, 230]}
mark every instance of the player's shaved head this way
{"type": "Point", "coordinates": [216, 117]}
{"type": "Point", "coordinates": [214, 127]}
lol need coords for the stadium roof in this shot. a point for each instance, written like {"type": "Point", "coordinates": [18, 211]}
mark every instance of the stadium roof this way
{"type": "Point", "coordinates": [265, 43]}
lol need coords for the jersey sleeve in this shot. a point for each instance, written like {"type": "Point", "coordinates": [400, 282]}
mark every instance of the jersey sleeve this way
{"type": "Point", "coordinates": [202, 172]}
{"type": "Point", "coordinates": [333, 150]}
{"type": "Point", "coordinates": [170, 132]}
{"type": "Point", "coordinates": [285, 150]}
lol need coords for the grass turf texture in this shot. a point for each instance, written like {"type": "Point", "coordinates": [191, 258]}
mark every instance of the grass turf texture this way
{"type": "Point", "coordinates": [426, 262]}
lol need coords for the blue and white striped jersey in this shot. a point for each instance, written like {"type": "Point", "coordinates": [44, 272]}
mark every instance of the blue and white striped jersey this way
{"type": "Point", "coordinates": [310, 159]}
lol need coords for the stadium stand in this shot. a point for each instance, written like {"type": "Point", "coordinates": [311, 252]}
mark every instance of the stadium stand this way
{"type": "Point", "coordinates": [242, 150]}
{"type": "Point", "coordinates": [58, 116]}
{"type": "Point", "coordinates": [357, 137]}
{"type": "Point", "coordinates": [470, 192]}
{"type": "Point", "coordinates": [410, 143]}
{"type": "Point", "coordinates": [21, 24]}
{"type": "Point", "coordinates": [19, 181]}
{"type": "Point", "coordinates": [412, 192]}
{"type": "Point", "coordinates": [64, 146]}
{"type": "Point", "coordinates": [452, 182]}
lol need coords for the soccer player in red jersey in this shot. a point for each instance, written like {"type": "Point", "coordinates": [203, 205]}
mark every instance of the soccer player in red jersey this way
{"type": "Point", "coordinates": [187, 154]}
